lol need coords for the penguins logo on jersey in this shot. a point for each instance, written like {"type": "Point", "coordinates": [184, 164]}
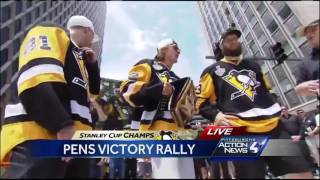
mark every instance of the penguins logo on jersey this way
{"type": "Point", "coordinates": [166, 135]}
{"type": "Point", "coordinates": [244, 81]}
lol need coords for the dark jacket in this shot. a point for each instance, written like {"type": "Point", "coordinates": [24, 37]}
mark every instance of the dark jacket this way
{"type": "Point", "coordinates": [309, 69]}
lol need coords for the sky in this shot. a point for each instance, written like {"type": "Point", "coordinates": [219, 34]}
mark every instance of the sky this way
{"type": "Point", "coordinates": [133, 30]}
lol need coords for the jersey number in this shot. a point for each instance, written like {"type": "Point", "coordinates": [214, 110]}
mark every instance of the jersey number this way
{"type": "Point", "coordinates": [31, 45]}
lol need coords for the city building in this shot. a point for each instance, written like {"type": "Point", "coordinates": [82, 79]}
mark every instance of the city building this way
{"type": "Point", "coordinates": [18, 16]}
{"type": "Point", "coordinates": [263, 23]}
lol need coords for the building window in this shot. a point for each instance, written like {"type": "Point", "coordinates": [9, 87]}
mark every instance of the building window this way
{"type": "Point", "coordinates": [285, 12]}
{"type": "Point", "coordinates": [37, 12]}
{"type": "Point", "coordinates": [262, 38]}
{"type": "Point", "coordinates": [257, 54]}
{"type": "Point", "coordinates": [244, 6]}
{"type": "Point", "coordinates": [286, 47]}
{"type": "Point", "coordinates": [4, 56]}
{"type": "Point", "coordinates": [241, 23]}
{"type": "Point", "coordinates": [15, 65]}
{"type": "Point", "coordinates": [235, 10]}
{"type": "Point", "coordinates": [18, 7]}
{"type": "Point", "coordinates": [293, 65]}
{"type": "Point", "coordinates": [285, 84]}
{"type": "Point", "coordinates": [273, 26]}
{"type": "Point", "coordinates": [3, 78]}
{"type": "Point", "coordinates": [253, 21]}
{"type": "Point", "coordinates": [245, 30]}
{"type": "Point", "coordinates": [50, 16]}
{"type": "Point", "coordinates": [253, 46]}
{"type": "Point", "coordinates": [16, 45]}
{"type": "Point", "coordinates": [231, 3]}
{"type": "Point", "coordinates": [278, 5]}
{"type": "Point", "coordinates": [28, 19]}
{"type": "Point", "coordinates": [249, 14]}
{"type": "Point", "coordinates": [44, 7]}
{"type": "Point", "coordinates": [60, 7]}
{"type": "Point", "coordinates": [292, 24]}
{"type": "Point", "coordinates": [4, 35]}
{"type": "Point", "coordinates": [257, 30]}
{"type": "Point", "coordinates": [17, 26]}
{"type": "Point", "coordinates": [238, 15]}
{"type": "Point", "coordinates": [5, 14]}
{"type": "Point", "coordinates": [292, 98]}
{"type": "Point", "coordinates": [280, 74]}
{"type": "Point", "coordinates": [28, 4]}
{"type": "Point", "coordinates": [260, 6]}
{"type": "Point", "coordinates": [265, 48]}
{"type": "Point", "coordinates": [55, 11]}
{"type": "Point", "coordinates": [279, 37]}
{"type": "Point", "coordinates": [249, 38]}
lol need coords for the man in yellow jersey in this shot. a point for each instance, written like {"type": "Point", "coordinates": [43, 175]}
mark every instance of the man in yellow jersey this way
{"type": "Point", "coordinates": [234, 91]}
{"type": "Point", "coordinates": [150, 87]}
{"type": "Point", "coordinates": [57, 74]}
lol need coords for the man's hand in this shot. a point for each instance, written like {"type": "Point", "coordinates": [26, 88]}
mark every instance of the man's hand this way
{"type": "Point", "coordinates": [308, 88]}
{"type": "Point", "coordinates": [90, 55]}
{"type": "Point", "coordinates": [295, 138]}
{"type": "Point", "coordinates": [223, 119]}
{"type": "Point", "coordinates": [66, 134]}
{"type": "Point", "coordinates": [167, 89]}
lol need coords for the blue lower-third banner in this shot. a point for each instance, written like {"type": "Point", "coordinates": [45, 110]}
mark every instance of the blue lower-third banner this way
{"type": "Point", "coordinates": [246, 147]}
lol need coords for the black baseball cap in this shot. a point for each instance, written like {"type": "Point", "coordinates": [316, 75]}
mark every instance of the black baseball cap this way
{"type": "Point", "coordinates": [229, 32]}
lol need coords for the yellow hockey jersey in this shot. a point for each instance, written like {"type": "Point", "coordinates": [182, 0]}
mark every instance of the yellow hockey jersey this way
{"type": "Point", "coordinates": [53, 88]}
{"type": "Point", "coordinates": [143, 90]}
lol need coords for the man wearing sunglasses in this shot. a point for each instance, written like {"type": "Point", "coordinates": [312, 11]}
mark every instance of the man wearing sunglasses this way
{"type": "Point", "coordinates": [150, 87]}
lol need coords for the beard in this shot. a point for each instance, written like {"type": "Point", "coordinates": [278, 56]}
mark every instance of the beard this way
{"type": "Point", "coordinates": [232, 52]}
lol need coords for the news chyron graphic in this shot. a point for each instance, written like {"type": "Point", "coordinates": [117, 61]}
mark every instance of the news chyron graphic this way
{"type": "Point", "coordinates": [213, 142]}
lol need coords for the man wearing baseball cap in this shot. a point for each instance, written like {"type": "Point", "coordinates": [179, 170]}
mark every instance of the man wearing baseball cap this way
{"type": "Point", "coordinates": [83, 23]}
{"type": "Point", "coordinates": [307, 74]}
{"type": "Point", "coordinates": [57, 76]}
{"type": "Point", "coordinates": [150, 86]}
{"type": "Point", "coordinates": [235, 92]}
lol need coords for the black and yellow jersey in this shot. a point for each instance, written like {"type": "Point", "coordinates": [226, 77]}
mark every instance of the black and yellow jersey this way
{"type": "Point", "coordinates": [143, 90]}
{"type": "Point", "coordinates": [240, 90]}
{"type": "Point", "coordinates": [54, 85]}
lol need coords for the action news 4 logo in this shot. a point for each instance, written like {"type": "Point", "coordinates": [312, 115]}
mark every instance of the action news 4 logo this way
{"type": "Point", "coordinates": [240, 146]}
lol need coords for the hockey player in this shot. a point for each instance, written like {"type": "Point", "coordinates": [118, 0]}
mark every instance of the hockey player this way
{"type": "Point", "coordinates": [234, 91]}
{"type": "Point", "coordinates": [57, 74]}
{"type": "Point", "coordinates": [149, 88]}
